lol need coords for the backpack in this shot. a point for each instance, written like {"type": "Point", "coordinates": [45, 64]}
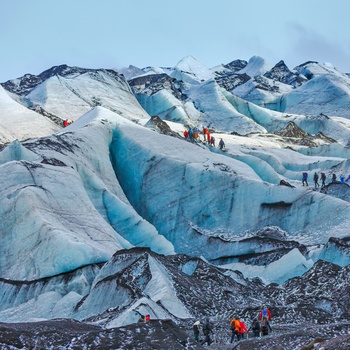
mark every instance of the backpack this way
{"type": "Point", "coordinates": [264, 325]}
{"type": "Point", "coordinates": [207, 328]}
{"type": "Point", "coordinates": [235, 324]}
{"type": "Point", "coordinates": [264, 313]}
{"type": "Point", "coordinates": [242, 328]}
{"type": "Point", "coordinates": [256, 325]}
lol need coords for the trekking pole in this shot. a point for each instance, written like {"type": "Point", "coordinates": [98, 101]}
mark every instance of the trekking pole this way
{"type": "Point", "coordinates": [235, 346]}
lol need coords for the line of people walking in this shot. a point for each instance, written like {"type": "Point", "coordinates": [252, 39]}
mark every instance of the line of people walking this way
{"type": "Point", "coordinates": [260, 326]}
{"type": "Point", "coordinates": [192, 134]}
{"type": "Point", "coordinates": [323, 178]}
{"type": "Point", "coordinates": [207, 332]}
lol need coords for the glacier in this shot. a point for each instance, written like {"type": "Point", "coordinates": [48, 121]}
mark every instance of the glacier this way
{"type": "Point", "coordinates": [136, 196]}
{"type": "Point", "coordinates": [113, 216]}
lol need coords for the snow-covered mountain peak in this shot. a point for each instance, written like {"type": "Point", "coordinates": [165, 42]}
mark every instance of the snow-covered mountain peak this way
{"type": "Point", "coordinates": [81, 89]}
{"type": "Point", "coordinates": [256, 66]}
{"type": "Point", "coordinates": [28, 82]}
{"type": "Point", "coordinates": [281, 72]}
{"type": "Point", "coordinates": [313, 69]}
{"type": "Point", "coordinates": [190, 70]}
{"type": "Point", "coordinates": [236, 65]}
{"type": "Point", "coordinates": [131, 72]}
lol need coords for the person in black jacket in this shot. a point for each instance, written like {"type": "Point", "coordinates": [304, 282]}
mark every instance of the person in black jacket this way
{"type": "Point", "coordinates": [207, 330]}
{"type": "Point", "coordinates": [256, 328]}
{"type": "Point", "coordinates": [316, 180]}
{"type": "Point", "coordinates": [265, 326]}
{"type": "Point", "coordinates": [221, 144]}
{"type": "Point", "coordinates": [196, 331]}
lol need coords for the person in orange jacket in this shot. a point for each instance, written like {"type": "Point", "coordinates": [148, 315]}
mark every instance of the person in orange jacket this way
{"type": "Point", "coordinates": [235, 325]}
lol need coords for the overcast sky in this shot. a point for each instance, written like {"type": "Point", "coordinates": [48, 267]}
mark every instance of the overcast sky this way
{"type": "Point", "coordinates": [39, 34]}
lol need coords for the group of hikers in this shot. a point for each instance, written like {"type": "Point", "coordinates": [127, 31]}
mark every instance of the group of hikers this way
{"type": "Point", "coordinates": [260, 327]}
{"type": "Point", "coordinates": [323, 178]}
{"type": "Point", "coordinates": [67, 122]}
{"type": "Point", "coordinates": [143, 318]}
{"type": "Point", "coordinates": [192, 134]}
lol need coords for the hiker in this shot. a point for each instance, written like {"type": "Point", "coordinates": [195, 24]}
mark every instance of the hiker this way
{"type": "Point", "coordinates": [235, 325]}
{"type": "Point", "coordinates": [205, 132]}
{"type": "Point", "coordinates": [265, 312]}
{"type": "Point", "coordinates": [141, 318]}
{"type": "Point", "coordinates": [196, 331]}
{"type": "Point", "coordinates": [147, 318]}
{"type": "Point", "coordinates": [316, 180]}
{"type": "Point", "coordinates": [65, 123]}
{"type": "Point", "coordinates": [186, 134]}
{"type": "Point", "coordinates": [323, 179]}
{"type": "Point", "coordinates": [265, 326]}
{"type": "Point", "coordinates": [243, 329]}
{"type": "Point", "coordinates": [207, 329]}
{"type": "Point", "coordinates": [334, 177]}
{"type": "Point", "coordinates": [342, 178]}
{"type": "Point", "coordinates": [190, 134]}
{"type": "Point", "coordinates": [212, 142]}
{"type": "Point", "coordinates": [195, 134]}
{"type": "Point", "coordinates": [256, 328]}
{"type": "Point", "coordinates": [221, 144]}
{"type": "Point", "coordinates": [305, 175]}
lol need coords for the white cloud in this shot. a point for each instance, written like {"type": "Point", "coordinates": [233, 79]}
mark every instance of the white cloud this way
{"type": "Point", "coordinates": [308, 44]}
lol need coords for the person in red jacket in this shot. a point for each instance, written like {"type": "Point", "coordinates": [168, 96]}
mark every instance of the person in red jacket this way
{"type": "Point", "coordinates": [212, 142]}
{"type": "Point", "coordinates": [265, 312]}
{"type": "Point", "coordinates": [208, 137]}
{"type": "Point", "coordinates": [65, 123]}
{"type": "Point", "coordinates": [147, 318]}
{"type": "Point", "coordinates": [243, 329]}
{"type": "Point", "coordinates": [205, 132]}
